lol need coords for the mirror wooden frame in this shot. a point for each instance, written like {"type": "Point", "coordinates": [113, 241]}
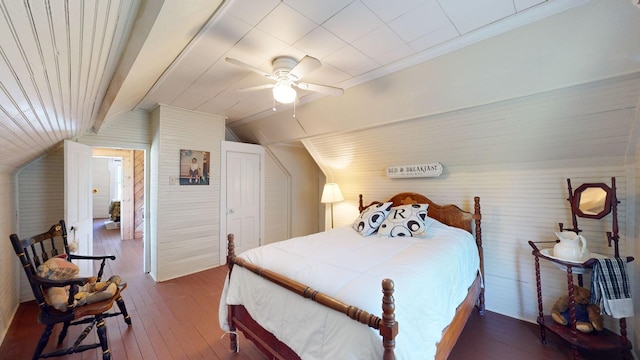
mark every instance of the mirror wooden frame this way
{"type": "Point", "coordinates": [577, 195]}
{"type": "Point", "coordinates": [610, 206]}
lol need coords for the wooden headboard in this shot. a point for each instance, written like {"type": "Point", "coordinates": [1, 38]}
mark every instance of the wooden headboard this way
{"type": "Point", "coordinates": [447, 214]}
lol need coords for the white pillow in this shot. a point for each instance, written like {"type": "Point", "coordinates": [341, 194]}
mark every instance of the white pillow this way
{"type": "Point", "coordinates": [371, 218]}
{"type": "Point", "coordinates": [58, 268]}
{"type": "Point", "coordinates": [405, 220]}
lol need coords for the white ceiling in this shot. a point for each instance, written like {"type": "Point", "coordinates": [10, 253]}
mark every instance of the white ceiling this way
{"type": "Point", "coordinates": [68, 67]}
{"type": "Point", "coordinates": [356, 41]}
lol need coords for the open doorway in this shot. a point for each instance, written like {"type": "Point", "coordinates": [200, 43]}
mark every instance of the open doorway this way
{"type": "Point", "coordinates": [119, 191]}
{"type": "Point", "coordinates": [107, 190]}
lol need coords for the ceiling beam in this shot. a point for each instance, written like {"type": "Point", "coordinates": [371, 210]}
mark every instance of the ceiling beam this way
{"type": "Point", "coordinates": [162, 30]}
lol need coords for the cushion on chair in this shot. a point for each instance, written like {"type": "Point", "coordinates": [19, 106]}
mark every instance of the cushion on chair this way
{"type": "Point", "coordinates": [57, 268]}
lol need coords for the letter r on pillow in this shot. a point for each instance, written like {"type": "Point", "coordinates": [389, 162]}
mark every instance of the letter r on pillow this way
{"type": "Point", "coordinates": [399, 213]}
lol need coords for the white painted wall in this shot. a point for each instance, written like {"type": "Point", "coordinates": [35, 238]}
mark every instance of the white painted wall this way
{"type": "Point", "coordinates": [301, 193]}
{"type": "Point", "coordinates": [154, 182]}
{"type": "Point", "coordinates": [634, 235]}
{"type": "Point", "coordinates": [130, 130]}
{"type": "Point", "coordinates": [9, 265]}
{"type": "Point", "coordinates": [278, 199]}
{"type": "Point", "coordinates": [40, 196]}
{"type": "Point", "coordinates": [523, 200]}
{"type": "Point", "coordinates": [185, 224]}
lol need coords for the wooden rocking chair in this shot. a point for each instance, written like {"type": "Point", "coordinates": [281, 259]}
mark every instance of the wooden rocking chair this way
{"type": "Point", "coordinates": [38, 252]}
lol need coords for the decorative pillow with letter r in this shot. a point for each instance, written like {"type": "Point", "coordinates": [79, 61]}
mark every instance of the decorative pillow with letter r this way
{"type": "Point", "coordinates": [405, 220]}
{"type": "Point", "coordinates": [371, 218]}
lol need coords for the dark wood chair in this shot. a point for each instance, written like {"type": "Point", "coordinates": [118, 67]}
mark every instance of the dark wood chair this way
{"type": "Point", "coordinates": [35, 251]}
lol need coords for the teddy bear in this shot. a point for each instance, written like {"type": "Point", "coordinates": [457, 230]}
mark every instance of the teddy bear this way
{"type": "Point", "coordinates": [588, 316]}
{"type": "Point", "coordinates": [97, 291]}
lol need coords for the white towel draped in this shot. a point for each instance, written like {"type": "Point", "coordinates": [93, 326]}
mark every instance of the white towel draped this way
{"type": "Point", "coordinates": [610, 287]}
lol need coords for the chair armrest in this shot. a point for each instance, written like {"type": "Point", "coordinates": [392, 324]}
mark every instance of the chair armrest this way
{"type": "Point", "coordinates": [102, 258]}
{"type": "Point", "coordinates": [59, 283]}
{"type": "Point", "coordinates": [90, 257]}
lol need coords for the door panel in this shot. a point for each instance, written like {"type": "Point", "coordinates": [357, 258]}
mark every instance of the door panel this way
{"type": "Point", "coordinates": [101, 187]}
{"type": "Point", "coordinates": [78, 200]}
{"type": "Point", "coordinates": [241, 196]}
{"type": "Point", "coordinates": [243, 201]}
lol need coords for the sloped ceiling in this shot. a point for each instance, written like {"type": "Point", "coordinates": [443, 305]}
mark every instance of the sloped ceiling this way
{"type": "Point", "coordinates": [563, 88]}
{"type": "Point", "coordinates": [72, 66]}
{"type": "Point", "coordinates": [66, 66]}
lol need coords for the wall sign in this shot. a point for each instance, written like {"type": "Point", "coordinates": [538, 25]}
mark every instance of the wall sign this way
{"type": "Point", "coordinates": [412, 171]}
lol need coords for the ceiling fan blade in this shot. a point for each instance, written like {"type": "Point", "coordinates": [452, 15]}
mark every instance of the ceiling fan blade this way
{"type": "Point", "coordinates": [305, 66]}
{"type": "Point", "coordinates": [258, 87]}
{"type": "Point", "coordinates": [324, 89]}
{"type": "Point", "coordinates": [248, 67]}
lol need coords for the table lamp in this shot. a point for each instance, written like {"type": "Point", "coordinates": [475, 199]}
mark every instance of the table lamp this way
{"type": "Point", "coordinates": [330, 195]}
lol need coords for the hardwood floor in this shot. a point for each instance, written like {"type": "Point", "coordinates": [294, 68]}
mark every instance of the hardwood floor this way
{"type": "Point", "coordinates": [178, 319]}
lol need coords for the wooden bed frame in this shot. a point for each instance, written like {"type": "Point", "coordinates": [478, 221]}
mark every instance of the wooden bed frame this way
{"type": "Point", "coordinates": [239, 318]}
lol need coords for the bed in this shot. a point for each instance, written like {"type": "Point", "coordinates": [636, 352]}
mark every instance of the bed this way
{"type": "Point", "coordinates": [274, 296]}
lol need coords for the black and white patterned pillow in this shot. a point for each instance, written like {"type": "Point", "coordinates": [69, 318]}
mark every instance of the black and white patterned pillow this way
{"type": "Point", "coordinates": [405, 220]}
{"type": "Point", "coordinates": [371, 218]}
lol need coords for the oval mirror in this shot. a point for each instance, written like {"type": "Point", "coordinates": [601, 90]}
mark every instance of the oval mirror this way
{"type": "Point", "coordinates": [592, 201]}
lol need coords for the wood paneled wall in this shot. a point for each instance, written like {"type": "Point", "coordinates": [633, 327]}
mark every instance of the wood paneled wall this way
{"type": "Point", "coordinates": [516, 155]}
{"type": "Point", "coordinates": [40, 194]}
{"type": "Point", "coordinates": [130, 130]}
{"type": "Point", "coordinates": [9, 265]}
{"type": "Point", "coordinates": [138, 194]}
{"type": "Point", "coordinates": [517, 205]}
{"type": "Point", "coordinates": [634, 241]}
{"type": "Point", "coordinates": [185, 217]}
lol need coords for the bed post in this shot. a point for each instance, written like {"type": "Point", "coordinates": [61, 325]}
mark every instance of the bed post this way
{"type": "Point", "coordinates": [360, 204]}
{"type": "Point", "coordinates": [477, 217]}
{"type": "Point", "coordinates": [231, 254]}
{"type": "Point", "coordinates": [389, 325]}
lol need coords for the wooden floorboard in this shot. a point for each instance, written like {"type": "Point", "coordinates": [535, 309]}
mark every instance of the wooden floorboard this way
{"type": "Point", "coordinates": [178, 319]}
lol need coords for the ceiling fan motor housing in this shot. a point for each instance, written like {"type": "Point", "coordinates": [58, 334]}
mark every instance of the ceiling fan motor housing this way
{"type": "Point", "coordinates": [282, 66]}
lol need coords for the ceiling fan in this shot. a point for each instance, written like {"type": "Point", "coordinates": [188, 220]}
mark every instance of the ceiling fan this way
{"type": "Point", "coordinates": [286, 73]}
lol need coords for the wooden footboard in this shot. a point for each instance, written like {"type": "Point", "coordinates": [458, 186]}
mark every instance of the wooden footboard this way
{"type": "Point", "coordinates": [387, 325]}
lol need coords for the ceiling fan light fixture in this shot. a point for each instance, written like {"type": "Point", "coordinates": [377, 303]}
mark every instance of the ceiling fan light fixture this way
{"type": "Point", "coordinates": [284, 93]}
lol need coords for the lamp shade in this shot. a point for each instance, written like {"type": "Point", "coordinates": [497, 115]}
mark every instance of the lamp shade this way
{"type": "Point", "coordinates": [284, 93]}
{"type": "Point", "coordinates": [331, 193]}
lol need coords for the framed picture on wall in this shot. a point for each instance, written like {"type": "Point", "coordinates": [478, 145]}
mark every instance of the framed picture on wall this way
{"type": "Point", "coordinates": [194, 167]}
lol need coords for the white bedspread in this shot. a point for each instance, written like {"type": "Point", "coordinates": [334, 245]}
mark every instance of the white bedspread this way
{"type": "Point", "coordinates": [431, 277]}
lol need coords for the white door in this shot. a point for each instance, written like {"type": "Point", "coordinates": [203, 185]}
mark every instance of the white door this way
{"type": "Point", "coordinates": [101, 187]}
{"type": "Point", "coordinates": [78, 207]}
{"type": "Point", "coordinates": [242, 198]}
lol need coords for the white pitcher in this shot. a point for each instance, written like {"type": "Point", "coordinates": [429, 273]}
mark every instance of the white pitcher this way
{"type": "Point", "coordinates": [572, 247]}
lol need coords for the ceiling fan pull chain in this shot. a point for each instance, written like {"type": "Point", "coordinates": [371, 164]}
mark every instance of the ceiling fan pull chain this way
{"type": "Point", "coordinates": [298, 120]}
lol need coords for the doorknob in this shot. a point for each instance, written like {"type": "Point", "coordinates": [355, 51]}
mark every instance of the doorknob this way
{"type": "Point", "coordinates": [230, 211]}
